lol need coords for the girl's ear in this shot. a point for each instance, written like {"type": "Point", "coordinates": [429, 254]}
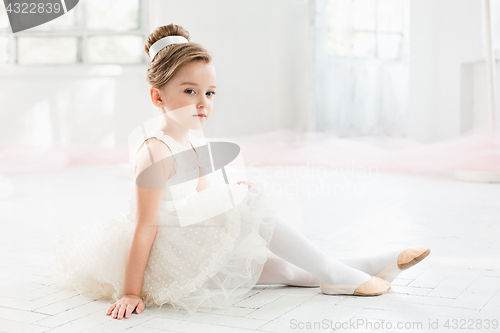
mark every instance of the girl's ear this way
{"type": "Point", "coordinates": [156, 97]}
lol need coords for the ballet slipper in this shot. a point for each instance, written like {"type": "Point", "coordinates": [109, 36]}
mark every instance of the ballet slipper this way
{"type": "Point", "coordinates": [405, 260]}
{"type": "Point", "coordinates": [373, 287]}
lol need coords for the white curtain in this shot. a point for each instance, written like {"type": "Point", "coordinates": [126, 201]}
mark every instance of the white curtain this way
{"type": "Point", "coordinates": [361, 66]}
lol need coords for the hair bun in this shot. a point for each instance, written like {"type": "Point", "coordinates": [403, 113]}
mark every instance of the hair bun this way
{"type": "Point", "coordinates": [165, 31]}
{"type": "Point", "coordinates": [172, 57]}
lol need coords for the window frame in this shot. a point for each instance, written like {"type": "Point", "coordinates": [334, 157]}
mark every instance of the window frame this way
{"type": "Point", "coordinates": [404, 38]}
{"type": "Point", "coordinates": [81, 33]}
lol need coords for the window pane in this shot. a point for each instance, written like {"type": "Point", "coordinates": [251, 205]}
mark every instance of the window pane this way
{"type": "Point", "coordinates": [65, 21]}
{"type": "Point", "coordinates": [364, 44]}
{"type": "Point", "coordinates": [339, 43]}
{"type": "Point", "coordinates": [365, 14]}
{"type": "Point", "coordinates": [4, 50]}
{"type": "Point", "coordinates": [339, 14]}
{"type": "Point", "coordinates": [47, 50]}
{"type": "Point", "coordinates": [389, 45]}
{"type": "Point", "coordinates": [338, 37]}
{"type": "Point", "coordinates": [115, 49]}
{"type": "Point", "coordinates": [117, 15]}
{"type": "Point", "coordinates": [390, 15]}
{"type": "Point", "coordinates": [4, 20]}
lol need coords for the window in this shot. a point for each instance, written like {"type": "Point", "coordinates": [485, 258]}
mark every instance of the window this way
{"type": "Point", "coordinates": [94, 32]}
{"type": "Point", "coordinates": [362, 66]}
{"type": "Point", "coordinates": [367, 29]}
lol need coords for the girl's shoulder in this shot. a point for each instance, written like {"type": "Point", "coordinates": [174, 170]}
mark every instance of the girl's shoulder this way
{"type": "Point", "coordinates": [152, 134]}
{"type": "Point", "coordinates": [152, 151]}
{"type": "Point", "coordinates": [154, 145]}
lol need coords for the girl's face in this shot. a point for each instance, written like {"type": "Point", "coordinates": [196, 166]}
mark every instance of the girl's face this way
{"type": "Point", "coordinates": [188, 94]}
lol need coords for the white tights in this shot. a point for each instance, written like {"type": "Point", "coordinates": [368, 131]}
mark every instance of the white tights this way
{"type": "Point", "coordinates": [302, 263]}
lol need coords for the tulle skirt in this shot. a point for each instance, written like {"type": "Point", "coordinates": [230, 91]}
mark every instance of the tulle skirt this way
{"type": "Point", "coordinates": [208, 264]}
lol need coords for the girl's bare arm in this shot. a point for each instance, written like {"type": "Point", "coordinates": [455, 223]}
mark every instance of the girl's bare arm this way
{"type": "Point", "coordinates": [146, 222]}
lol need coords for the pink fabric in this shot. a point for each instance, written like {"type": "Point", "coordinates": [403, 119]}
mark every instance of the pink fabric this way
{"type": "Point", "coordinates": [479, 150]}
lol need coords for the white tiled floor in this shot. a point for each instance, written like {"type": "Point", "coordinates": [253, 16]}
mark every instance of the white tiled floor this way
{"type": "Point", "coordinates": [459, 281]}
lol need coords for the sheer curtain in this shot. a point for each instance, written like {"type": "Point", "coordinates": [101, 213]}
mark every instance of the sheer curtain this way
{"type": "Point", "coordinates": [361, 66]}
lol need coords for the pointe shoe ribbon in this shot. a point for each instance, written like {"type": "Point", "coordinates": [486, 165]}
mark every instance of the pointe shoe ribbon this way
{"type": "Point", "coordinates": [387, 269]}
{"type": "Point", "coordinates": [374, 286]}
{"type": "Point", "coordinates": [405, 260]}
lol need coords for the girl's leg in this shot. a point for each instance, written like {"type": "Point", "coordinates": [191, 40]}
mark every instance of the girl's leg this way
{"type": "Point", "coordinates": [280, 271]}
{"type": "Point", "coordinates": [375, 263]}
{"type": "Point", "coordinates": [290, 244]}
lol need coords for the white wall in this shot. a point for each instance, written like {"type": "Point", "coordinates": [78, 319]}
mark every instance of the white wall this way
{"type": "Point", "coordinates": [260, 57]}
{"type": "Point", "coordinates": [443, 35]}
{"type": "Point", "coordinates": [52, 105]}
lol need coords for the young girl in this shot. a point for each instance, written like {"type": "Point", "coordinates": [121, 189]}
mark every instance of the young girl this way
{"type": "Point", "coordinates": [180, 243]}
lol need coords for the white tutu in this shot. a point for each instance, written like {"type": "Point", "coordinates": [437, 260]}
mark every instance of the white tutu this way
{"type": "Point", "coordinates": [207, 264]}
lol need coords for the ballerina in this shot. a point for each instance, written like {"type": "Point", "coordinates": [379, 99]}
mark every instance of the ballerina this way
{"type": "Point", "coordinates": [161, 254]}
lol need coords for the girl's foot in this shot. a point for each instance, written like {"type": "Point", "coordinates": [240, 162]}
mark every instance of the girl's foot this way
{"type": "Point", "coordinates": [373, 287]}
{"type": "Point", "coordinates": [405, 260]}
{"type": "Point", "coordinates": [385, 265]}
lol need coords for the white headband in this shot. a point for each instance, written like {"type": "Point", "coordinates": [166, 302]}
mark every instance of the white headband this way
{"type": "Point", "coordinates": [165, 41]}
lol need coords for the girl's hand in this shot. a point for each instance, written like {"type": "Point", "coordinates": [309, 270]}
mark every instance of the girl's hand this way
{"type": "Point", "coordinates": [244, 182]}
{"type": "Point", "coordinates": [125, 306]}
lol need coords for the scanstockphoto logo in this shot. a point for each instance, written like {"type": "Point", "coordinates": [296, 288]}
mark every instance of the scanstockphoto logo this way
{"type": "Point", "coordinates": [28, 14]}
{"type": "Point", "coordinates": [212, 159]}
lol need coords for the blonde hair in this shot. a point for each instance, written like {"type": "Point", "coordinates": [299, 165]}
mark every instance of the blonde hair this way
{"type": "Point", "coordinates": [172, 57]}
